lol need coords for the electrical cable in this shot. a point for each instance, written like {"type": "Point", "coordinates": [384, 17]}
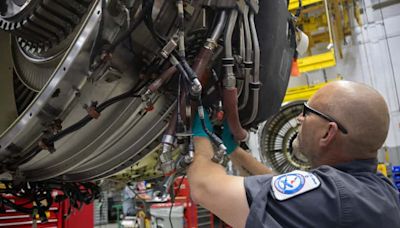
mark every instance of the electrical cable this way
{"type": "Point", "coordinates": [181, 69]}
{"type": "Point", "coordinates": [173, 199]}
{"type": "Point", "coordinates": [36, 193]}
{"type": "Point", "coordinates": [214, 138]}
{"type": "Point", "coordinates": [81, 123]}
{"type": "Point", "coordinates": [148, 20]}
{"type": "Point", "coordinates": [180, 124]}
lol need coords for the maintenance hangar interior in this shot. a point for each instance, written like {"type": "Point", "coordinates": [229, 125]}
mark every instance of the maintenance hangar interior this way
{"type": "Point", "coordinates": [98, 97]}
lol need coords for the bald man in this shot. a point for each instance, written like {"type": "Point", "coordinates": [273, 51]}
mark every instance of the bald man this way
{"type": "Point", "coordinates": [341, 128]}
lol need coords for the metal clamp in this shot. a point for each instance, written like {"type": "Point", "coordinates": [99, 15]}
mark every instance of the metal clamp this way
{"type": "Point", "coordinates": [92, 110]}
{"type": "Point", "coordinates": [45, 145]}
{"type": "Point", "coordinates": [149, 106]}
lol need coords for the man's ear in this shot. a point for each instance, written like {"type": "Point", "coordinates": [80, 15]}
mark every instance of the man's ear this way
{"type": "Point", "coordinates": [330, 133]}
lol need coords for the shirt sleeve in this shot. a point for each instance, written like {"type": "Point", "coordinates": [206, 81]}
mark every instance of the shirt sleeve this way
{"type": "Point", "coordinates": [299, 211]}
{"type": "Point", "coordinates": [254, 184]}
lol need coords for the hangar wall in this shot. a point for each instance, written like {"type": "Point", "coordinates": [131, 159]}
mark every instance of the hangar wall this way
{"type": "Point", "coordinates": [372, 56]}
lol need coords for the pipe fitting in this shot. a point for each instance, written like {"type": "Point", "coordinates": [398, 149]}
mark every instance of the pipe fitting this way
{"type": "Point", "coordinates": [169, 48]}
{"type": "Point", "coordinates": [167, 164]}
{"type": "Point", "coordinates": [211, 44]}
{"type": "Point", "coordinates": [196, 87]}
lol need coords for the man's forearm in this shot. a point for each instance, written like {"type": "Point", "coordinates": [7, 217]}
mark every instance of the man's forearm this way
{"type": "Point", "coordinates": [249, 163]}
{"type": "Point", "coordinates": [212, 188]}
{"type": "Point", "coordinates": [203, 171]}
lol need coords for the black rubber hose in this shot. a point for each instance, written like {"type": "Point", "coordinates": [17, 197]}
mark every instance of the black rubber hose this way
{"type": "Point", "coordinates": [214, 138]}
{"type": "Point", "coordinates": [148, 20]}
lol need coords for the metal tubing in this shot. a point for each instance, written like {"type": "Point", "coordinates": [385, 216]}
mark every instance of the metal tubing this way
{"type": "Point", "coordinates": [220, 27]}
{"type": "Point", "coordinates": [256, 44]}
{"type": "Point", "coordinates": [256, 70]}
{"type": "Point", "coordinates": [228, 61]}
{"type": "Point", "coordinates": [203, 59]}
{"type": "Point", "coordinates": [248, 57]}
{"type": "Point", "coordinates": [242, 54]}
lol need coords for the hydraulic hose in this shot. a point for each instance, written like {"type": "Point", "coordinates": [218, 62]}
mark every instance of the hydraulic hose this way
{"type": "Point", "coordinates": [203, 59]}
{"type": "Point", "coordinates": [229, 82]}
{"type": "Point", "coordinates": [165, 76]}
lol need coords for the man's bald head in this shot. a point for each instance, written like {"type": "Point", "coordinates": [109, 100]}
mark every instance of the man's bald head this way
{"type": "Point", "coordinates": [361, 110]}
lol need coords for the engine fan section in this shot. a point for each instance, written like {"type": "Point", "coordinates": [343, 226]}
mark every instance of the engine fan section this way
{"type": "Point", "coordinates": [277, 137]}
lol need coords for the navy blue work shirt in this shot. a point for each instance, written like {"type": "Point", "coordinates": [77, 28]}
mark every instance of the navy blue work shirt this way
{"type": "Point", "coordinates": [349, 195]}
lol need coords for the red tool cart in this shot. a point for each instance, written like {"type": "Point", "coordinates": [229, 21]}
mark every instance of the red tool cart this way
{"type": "Point", "coordinates": [55, 217]}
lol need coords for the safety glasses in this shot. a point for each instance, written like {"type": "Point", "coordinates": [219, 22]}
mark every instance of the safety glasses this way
{"type": "Point", "coordinates": [308, 109]}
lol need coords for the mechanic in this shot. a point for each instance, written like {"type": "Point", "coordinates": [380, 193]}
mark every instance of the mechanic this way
{"type": "Point", "coordinates": [128, 203]}
{"type": "Point", "coordinates": [341, 128]}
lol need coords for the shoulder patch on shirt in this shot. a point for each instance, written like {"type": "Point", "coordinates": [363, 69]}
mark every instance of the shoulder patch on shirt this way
{"type": "Point", "coordinates": [295, 183]}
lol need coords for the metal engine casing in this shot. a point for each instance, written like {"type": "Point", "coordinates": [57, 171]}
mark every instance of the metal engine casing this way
{"type": "Point", "coordinates": [125, 132]}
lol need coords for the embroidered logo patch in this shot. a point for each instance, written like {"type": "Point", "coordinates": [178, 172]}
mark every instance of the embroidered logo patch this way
{"type": "Point", "coordinates": [291, 184]}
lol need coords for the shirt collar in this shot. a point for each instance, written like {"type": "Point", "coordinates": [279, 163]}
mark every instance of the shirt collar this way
{"type": "Point", "coordinates": [367, 165]}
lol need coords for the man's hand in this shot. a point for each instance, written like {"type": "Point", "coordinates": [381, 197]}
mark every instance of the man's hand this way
{"type": "Point", "coordinates": [227, 137]}
{"type": "Point", "coordinates": [239, 156]}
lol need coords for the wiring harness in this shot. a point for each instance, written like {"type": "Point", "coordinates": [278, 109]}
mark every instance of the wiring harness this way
{"type": "Point", "coordinates": [35, 198]}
